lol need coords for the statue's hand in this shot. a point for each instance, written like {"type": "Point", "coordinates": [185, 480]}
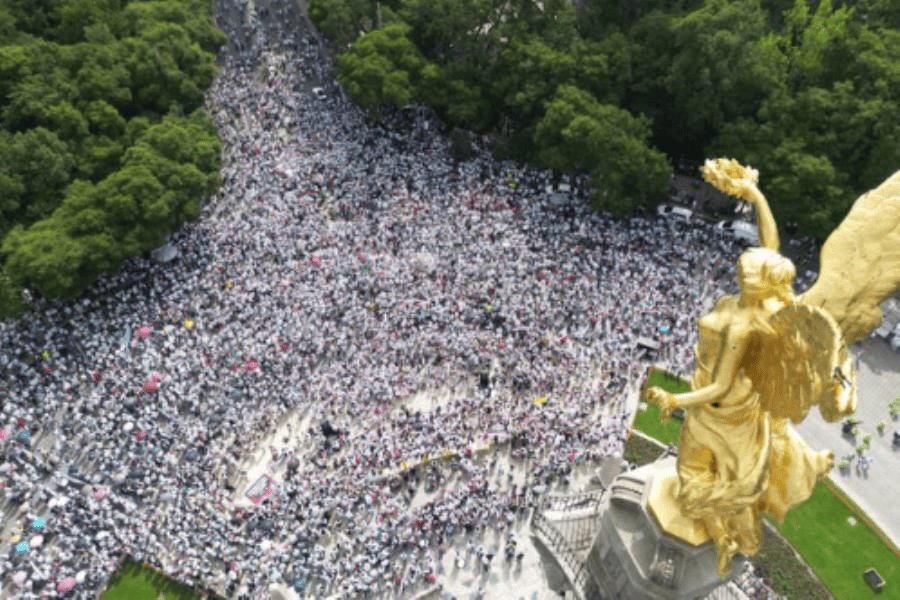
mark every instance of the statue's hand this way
{"type": "Point", "coordinates": [731, 177]}
{"type": "Point", "coordinates": [665, 400]}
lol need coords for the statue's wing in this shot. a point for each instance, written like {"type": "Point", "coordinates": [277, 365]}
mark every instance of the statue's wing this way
{"type": "Point", "coordinates": [802, 361]}
{"type": "Point", "coordinates": [859, 266]}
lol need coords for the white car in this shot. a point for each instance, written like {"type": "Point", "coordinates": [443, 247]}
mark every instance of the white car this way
{"type": "Point", "coordinates": [674, 212]}
{"type": "Point", "coordinates": [319, 93]}
{"type": "Point", "coordinates": [741, 230]}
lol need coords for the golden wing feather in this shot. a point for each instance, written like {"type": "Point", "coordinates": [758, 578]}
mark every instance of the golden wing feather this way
{"type": "Point", "coordinates": [859, 266]}
{"type": "Point", "coordinates": [800, 363]}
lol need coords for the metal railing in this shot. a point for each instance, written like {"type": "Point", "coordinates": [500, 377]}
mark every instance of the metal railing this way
{"type": "Point", "coordinates": [567, 502]}
{"type": "Point", "coordinates": [572, 564]}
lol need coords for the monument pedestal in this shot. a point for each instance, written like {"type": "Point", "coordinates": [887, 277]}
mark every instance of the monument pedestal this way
{"type": "Point", "coordinates": [632, 557]}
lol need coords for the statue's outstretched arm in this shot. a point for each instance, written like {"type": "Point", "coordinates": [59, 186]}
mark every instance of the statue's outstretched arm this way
{"type": "Point", "coordinates": [765, 222]}
{"type": "Point", "coordinates": [733, 178]}
{"type": "Point", "coordinates": [729, 363]}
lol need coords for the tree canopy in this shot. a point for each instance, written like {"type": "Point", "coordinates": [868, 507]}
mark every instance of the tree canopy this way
{"type": "Point", "coordinates": [98, 161]}
{"type": "Point", "coordinates": [805, 90]}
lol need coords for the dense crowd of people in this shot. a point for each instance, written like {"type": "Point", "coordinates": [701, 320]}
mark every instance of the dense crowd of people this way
{"type": "Point", "coordinates": [345, 266]}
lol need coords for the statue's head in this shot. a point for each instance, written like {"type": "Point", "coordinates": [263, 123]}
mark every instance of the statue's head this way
{"type": "Point", "coordinates": [763, 273]}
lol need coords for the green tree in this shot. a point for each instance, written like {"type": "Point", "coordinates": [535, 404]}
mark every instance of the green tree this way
{"type": "Point", "coordinates": [166, 67]}
{"type": "Point", "coordinates": [37, 165]}
{"type": "Point", "coordinates": [603, 67]}
{"type": "Point", "coordinates": [10, 297]}
{"type": "Point", "coordinates": [447, 29]}
{"type": "Point", "coordinates": [609, 144]}
{"type": "Point", "coordinates": [82, 86]}
{"type": "Point", "coordinates": [382, 68]}
{"type": "Point", "coordinates": [528, 73]}
{"type": "Point", "coordinates": [46, 258]}
{"type": "Point", "coordinates": [100, 74]}
{"type": "Point", "coordinates": [193, 16]}
{"type": "Point", "coordinates": [75, 16]}
{"type": "Point", "coordinates": [68, 123]}
{"type": "Point", "coordinates": [8, 32]}
{"type": "Point", "coordinates": [341, 21]}
{"type": "Point", "coordinates": [31, 98]}
{"type": "Point", "coordinates": [724, 67]}
{"type": "Point", "coordinates": [598, 18]}
{"type": "Point", "coordinates": [35, 17]}
{"type": "Point", "coordinates": [164, 176]}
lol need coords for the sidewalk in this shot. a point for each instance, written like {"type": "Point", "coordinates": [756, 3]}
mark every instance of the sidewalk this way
{"type": "Point", "coordinates": [877, 491]}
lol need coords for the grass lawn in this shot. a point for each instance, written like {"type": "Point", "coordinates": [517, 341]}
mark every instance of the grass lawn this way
{"type": "Point", "coordinates": [837, 551]}
{"type": "Point", "coordinates": [134, 582]}
{"type": "Point", "coordinates": [777, 563]}
{"type": "Point", "coordinates": [641, 451]}
{"type": "Point", "coordinates": [648, 420]}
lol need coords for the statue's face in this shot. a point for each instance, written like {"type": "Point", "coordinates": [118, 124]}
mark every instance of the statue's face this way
{"type": "Point", "coordinates": [749, 285]}
{"type": "Point", "coordinates": [741, 278]}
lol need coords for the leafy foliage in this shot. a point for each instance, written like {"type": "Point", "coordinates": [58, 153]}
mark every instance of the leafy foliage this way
{"type": "Point", "coordinates": [91, 171]}
{"type": "Point", "coordinates": [606, 142]}
{"type": "Point", "coordinates": [382, 68]}
{"type": "Point", "coordinates": [804, 90]}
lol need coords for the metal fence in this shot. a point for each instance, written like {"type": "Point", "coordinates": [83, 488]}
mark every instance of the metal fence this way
{"type": "Point", "coordinates": [567, 502]}
{"type": "Point", "coordinates": [569, 560]}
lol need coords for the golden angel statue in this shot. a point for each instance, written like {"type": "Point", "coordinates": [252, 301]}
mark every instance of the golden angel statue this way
{"type": "Point", "coordinates": [765, 357]}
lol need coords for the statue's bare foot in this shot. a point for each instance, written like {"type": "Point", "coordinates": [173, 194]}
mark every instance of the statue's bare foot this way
{"type": "Point", "coordinates": [726, 548]}
{"type": "Point", "coordinates": [824, 462]}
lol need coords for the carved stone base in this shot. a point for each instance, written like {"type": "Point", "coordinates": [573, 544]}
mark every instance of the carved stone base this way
{"type": "Point", "coordinates": [633, 558]}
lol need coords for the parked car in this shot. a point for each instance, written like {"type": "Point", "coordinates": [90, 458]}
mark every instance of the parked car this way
{"type": "Point", "coordinates": [741, 230]}
{"type": "Point", "coordinates": [674, 212]}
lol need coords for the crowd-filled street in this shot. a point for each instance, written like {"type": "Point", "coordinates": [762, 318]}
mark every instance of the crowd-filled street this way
{"type": "Point", "coordinates": [344, 268]}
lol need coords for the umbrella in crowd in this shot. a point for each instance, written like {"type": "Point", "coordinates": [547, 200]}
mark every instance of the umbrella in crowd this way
{"type": "Point", "coordinates": [152, 383]}
{"type": "Point", "coordinates": [19, 578]}
{"type": "Point", "coordinates": [145, 332]}
{"type": "Point", "coordinates": [37, 541]}
{"type": "Point", "coordinates": [67, 584]}
{"type": "Point", "coordinates": [38, 523]}
{"type": "Point", "coordinates": [22, 547]}
{"type": "Point", "coordinates": [24, 435]}
{"type": "Point", "coordinates": [99, 494]}
{"type": "Point", "coordinates": [4, 433]}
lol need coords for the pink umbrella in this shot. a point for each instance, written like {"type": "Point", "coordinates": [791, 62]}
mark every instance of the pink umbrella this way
{"type": "Point", "coordinates": [316, 261]}
{"type": "Point", "coordinates": [145, 332]}
{"type": "Point", "coordinates": [4, 433]}
{"type": "Point", "coordinates": [251, 365]}
{"type": "Point", "coordinates": [140, 435]}
{"type": "Point", "coordinates": [152, 383]}
{"type": "Point", "coordinates": [20, 577]}
{"type": "Point", "coordinates": [100, 493]}
{"type": "Point", "coordinates": [67, 584]}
